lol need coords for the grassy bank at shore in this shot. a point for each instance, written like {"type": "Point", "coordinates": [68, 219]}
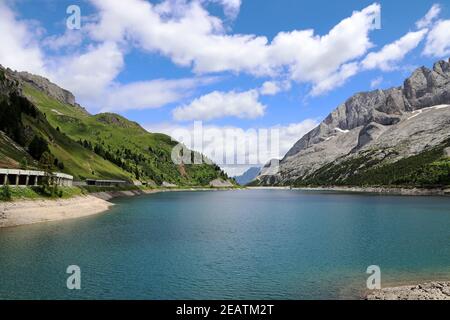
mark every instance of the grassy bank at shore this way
{"type": "Point", "coordinates": [8, 193]}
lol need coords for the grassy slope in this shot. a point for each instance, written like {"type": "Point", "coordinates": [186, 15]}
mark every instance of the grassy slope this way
{"type": "Point", "coordinates": [78, 161]}
{"type": "Point", "coordinates": [25, 122]}
{"type": "Point", "coordinates": [115, 134]}
{"type": "Point", "coordinates": [13, 156]}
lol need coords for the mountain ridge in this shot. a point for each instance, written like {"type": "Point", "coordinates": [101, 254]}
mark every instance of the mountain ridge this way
{"type": "Point", "coordinates": [367, 121]}
{"type": "Point", "coordinates": [248, 176]}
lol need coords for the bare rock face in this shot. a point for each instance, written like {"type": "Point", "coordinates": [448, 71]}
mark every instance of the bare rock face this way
{"type": "Point", "coordinates": [45, 85]}
{"type": "Point", "coordinates": [400, 118]}
{"type": "Point", "coordinates": [428, 291]}
{"type": "Point", "coordinates": [166, 184]}
{"type": "Point", "coordinates": [220, 183]}
{"type": "Point", "coordinates": [447, 152]}
{"type": "Point", "coordinates": [428, 87]}
{"type": "Point", "coordinates": [369, 133]}
{"type": "Point", "coordinates": [8, 84]}
{"type": "Point", "coordinates": [48, 87]}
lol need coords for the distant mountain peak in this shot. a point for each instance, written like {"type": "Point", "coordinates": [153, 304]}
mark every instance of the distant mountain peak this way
{"type": "Point", "coordinates": [248, 176]}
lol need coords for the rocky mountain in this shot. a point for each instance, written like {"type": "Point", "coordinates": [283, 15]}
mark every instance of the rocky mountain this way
{"type": "Point", "coordinates": [248, 176]}
{"type": "Point", "coordinates": [395, 137]}
{"type": "Point", "coordinates": [50, 89]}
{"type": "Point", "coordinates": [41, 124]}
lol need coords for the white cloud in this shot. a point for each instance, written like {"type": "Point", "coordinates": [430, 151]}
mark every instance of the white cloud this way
{"type": "Point", "coordinates": [438, 40]}
{"type": "Point", "coordinates": [216, 145]}
{"type": "Point", "coordinates": [190, 36]}
{"type": "Point", "coordinates": [270, 88]}
{"type": "Point", "coordinates": [336, 79]}
{"type": "Point", "coordinates": [313, 58]}
{"type": "Point", "coordinates": [149, 94]}
{"type": "Point", "coordinates": [384, 59]}
{"type": "Point", "coordinates": [230, 7]}
{"type": "Point", "coordinates": [196, 38]}
{"type": "Point", "coordinates": [429, 18]}
{"type": "Point", "coordinates": [19, 49]}
{"type": "Point", "coordinates": [222, 104]}
{"type": "Point", "coordinates": [89, 74]}
{"type": "Point", "coordinates": [392, 53]}
{"type": "Point", "coordinates": [375, 83]}
{"type": "Point", "coordinates": [92, 76]}
{"type": "Point", "coordinates": [293, 132]}
{"type": "Point", "coordinates": [70, 39]}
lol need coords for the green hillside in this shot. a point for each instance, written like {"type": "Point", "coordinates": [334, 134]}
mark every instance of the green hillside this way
{"type": "Point", "coordinates": [26, 135]}
{"type": "Point", "coordinates": [37, 131]}
{"type": "Point", "coordinates": [12, 155]}
{"type": "Point", "coordinates": [144, 156]}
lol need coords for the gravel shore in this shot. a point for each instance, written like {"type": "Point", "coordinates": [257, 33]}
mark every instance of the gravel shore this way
{"type": "Point", "coordinates": [427, 291]}
{"type": "Point", "coordinates": [34, 211]}
{"type": "Point", "coordinates": [384, 190]}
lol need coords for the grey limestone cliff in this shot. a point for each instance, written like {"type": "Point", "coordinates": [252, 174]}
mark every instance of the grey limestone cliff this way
{"type": "Point", "coordinates": [44, 85]}
{"type": "Point", "coordinates": [392, 124]}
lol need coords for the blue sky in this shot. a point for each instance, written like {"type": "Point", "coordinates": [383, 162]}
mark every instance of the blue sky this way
{"type": "Point", "coordinates": [229, 63]}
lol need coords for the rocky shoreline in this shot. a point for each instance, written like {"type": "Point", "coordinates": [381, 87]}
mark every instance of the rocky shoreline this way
{"type": "Point", "coordinates": [384, 190]}
{"type": "Point", "coordinates": [429, 291]}
{"type": "Point", "coordinates": [370, 190]}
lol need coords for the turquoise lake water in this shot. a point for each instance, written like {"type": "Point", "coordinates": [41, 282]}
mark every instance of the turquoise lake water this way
{"type": "Point", "coordinates": [255, 244]}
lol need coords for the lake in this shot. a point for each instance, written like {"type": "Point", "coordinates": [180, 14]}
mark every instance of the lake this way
{"type": "Point", "coordinates": [246, 244]}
